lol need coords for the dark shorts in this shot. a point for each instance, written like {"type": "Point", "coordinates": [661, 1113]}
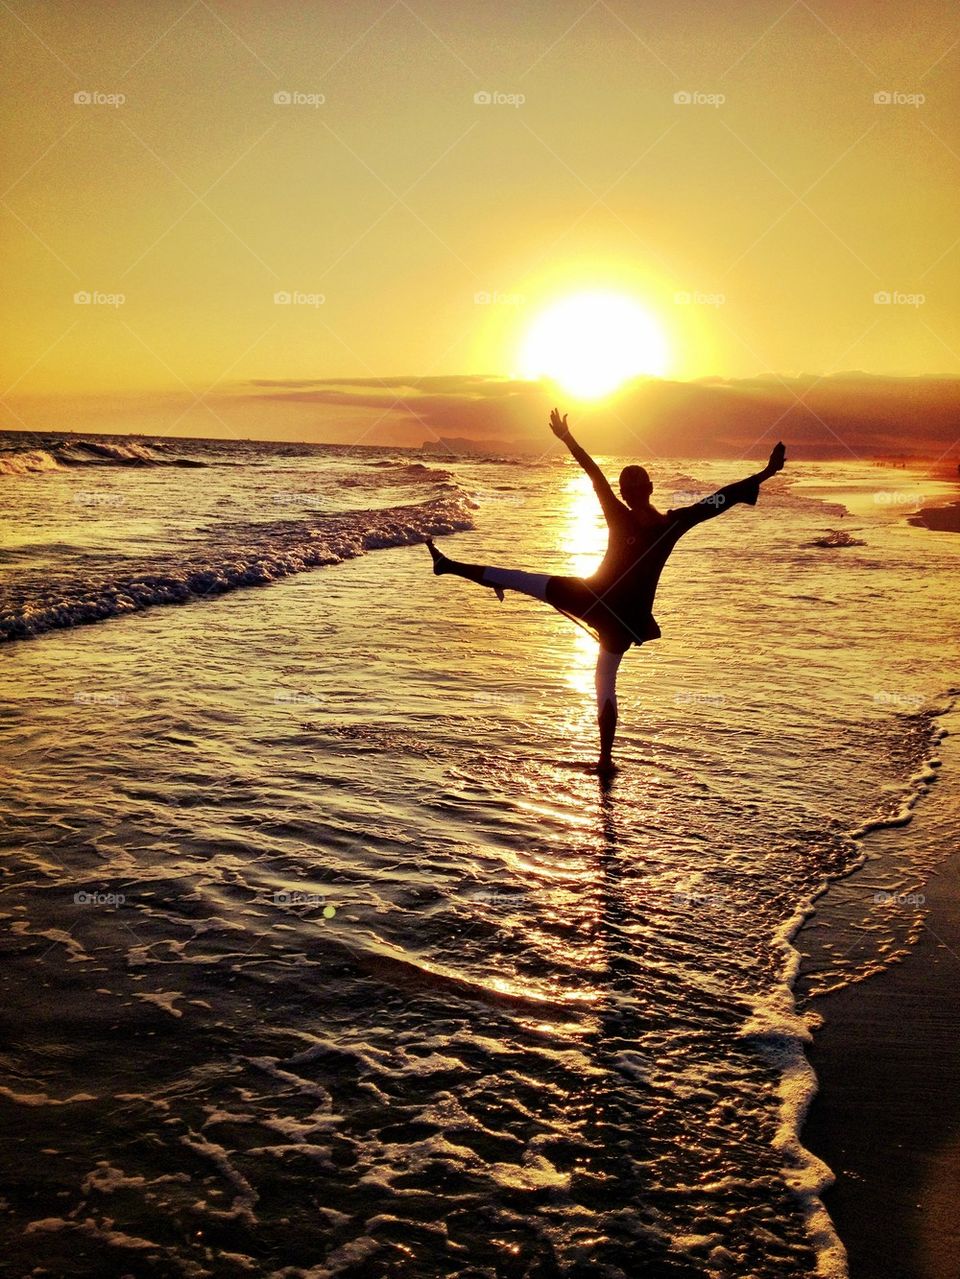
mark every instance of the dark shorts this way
{"type": "Point", "coordinates": [615, 624]}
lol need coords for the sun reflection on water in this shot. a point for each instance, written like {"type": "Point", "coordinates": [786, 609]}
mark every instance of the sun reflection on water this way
{"type": "Point", "coordinates": [583, 539]}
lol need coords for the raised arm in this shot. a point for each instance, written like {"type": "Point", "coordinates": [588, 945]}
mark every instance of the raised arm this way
{"type": "Point", "coordinates": [747, 490]}
{"type": "Point", "coordinates": [608, 499]}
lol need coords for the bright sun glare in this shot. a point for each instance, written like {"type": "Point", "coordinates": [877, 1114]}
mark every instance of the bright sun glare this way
{"type": "Point", "coordinates": [591, 343]}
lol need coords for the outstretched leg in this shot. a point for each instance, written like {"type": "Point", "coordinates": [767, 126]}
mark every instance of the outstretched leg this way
{"type": "Point", "coordinates": [499, 579]}
{"type": "Point", "coordinates": [607, 666]}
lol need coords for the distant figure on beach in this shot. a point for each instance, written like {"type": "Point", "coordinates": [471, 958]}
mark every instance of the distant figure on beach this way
{"type": "Point", "coordinates": [616, 603]}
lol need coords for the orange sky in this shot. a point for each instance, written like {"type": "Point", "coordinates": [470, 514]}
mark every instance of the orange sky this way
{"type": "Point", "coordinates": [756, 222]}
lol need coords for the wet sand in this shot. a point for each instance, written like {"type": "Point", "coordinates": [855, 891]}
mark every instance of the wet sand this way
{"type": "Point", "coordinates": [887, 1116]}
{"type": "Point", "coordinates": [939, 519]}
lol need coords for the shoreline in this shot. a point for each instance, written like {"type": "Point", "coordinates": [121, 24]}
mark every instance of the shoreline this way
{"type": "Point", "coordinates": [886, 1117]}
{"type": "Point", "coordinates": [939, 518]}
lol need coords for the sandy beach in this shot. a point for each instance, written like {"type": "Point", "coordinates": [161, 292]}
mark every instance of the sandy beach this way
{"type": "Point", "coordinates": [939, 519]}
{"type": "Point", "coordinates": [887, 1115]}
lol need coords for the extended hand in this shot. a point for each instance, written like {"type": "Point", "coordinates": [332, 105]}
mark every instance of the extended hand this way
{"type": "Point", "coordinates": [558, 424]}
{"type": "Point", "coordinates": [777, 459]}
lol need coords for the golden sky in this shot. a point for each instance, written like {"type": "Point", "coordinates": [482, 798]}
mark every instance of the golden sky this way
{"type": "Point", "coordinates": [730, 166]}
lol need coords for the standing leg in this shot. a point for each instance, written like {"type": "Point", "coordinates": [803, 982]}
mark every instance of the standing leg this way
{"type": "Point", "coordinates": [607, 666]}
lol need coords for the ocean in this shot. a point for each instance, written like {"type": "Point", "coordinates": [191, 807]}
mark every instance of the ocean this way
{"type": "Point", "coordinates": [324, 955]}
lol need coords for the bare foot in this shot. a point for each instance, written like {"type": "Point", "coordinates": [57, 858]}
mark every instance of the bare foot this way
{"type": "Point", "coordinates": [439, 559]}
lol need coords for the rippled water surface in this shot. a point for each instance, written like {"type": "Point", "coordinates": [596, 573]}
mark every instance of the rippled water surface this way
{"type": "Point", "coordinates": [325, 955]}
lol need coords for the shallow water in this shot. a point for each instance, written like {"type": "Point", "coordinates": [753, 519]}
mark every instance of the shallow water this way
{"type": "Point", "coordinates": [394, 987]}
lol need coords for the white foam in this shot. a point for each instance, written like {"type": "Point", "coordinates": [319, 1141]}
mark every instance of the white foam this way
{"type": "Point", "coordinates": [245, 1197]}
{"type": "Point", "coordinates": [28, 462]}
{"type": "Point", "coordinates": [164, 999]}
{"type": "Point", "coordinates": [42, 1098]}
{"type": "Point", "coordinates": [101, 1231]}
{"type": "Point", "coordinates": [780, 1032]}
{"type": "Point", "coordinates": [107, 1180]}
{"type": "Point", "coordinates": [346, 1257]}
{"type": "Point", "coordinates": [250, 556]}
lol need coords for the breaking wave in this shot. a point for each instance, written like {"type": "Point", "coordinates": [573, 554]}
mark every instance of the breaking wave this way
{"type": "Point", "coordinates": [391, 473]}
{"type": "Point", "coordinates": [248, 555]}
{"type": "Point", "coordinates": [88, 453]}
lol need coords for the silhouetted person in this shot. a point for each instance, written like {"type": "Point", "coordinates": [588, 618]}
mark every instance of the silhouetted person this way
{"type": "Point", "coordinates": [616, 603]}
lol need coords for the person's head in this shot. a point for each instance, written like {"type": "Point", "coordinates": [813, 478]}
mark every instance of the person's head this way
{"type": "Point", "coordinates": [635, 486]}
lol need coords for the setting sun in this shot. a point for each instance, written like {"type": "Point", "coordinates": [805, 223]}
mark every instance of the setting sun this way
{"type": "Point", "coordinates": [591, 343]}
